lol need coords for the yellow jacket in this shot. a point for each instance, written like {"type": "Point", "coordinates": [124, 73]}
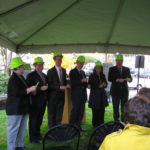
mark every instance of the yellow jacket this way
{"type": "Point", "coordinates": [132, 137]}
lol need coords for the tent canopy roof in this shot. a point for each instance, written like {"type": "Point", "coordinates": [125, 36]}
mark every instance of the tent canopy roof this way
{"type": "Point", "coordinates": [43, 26]}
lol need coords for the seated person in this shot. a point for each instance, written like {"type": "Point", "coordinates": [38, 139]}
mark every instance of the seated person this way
{"type": "Point", "coordinates": [136, 134]}
{"type": "Point", "coordinates": [145, 92]}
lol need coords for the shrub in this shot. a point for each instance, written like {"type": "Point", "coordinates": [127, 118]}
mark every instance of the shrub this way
{"type": "Point", "coordinates": [4, 77]}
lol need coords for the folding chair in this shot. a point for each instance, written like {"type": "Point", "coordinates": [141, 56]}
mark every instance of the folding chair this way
{"type": "Point", "coordinates": [101, 132]}
{"type": "Point", "coordinates": [61, 134]}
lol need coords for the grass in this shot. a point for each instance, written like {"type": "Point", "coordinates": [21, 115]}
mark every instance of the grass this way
{"type": "Point", "coordinates": [84, 137]}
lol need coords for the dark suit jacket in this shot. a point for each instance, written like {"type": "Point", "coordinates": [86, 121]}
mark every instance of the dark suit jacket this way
{"type": "Point", "coordinates": [39, 99]}
{"type": "Point", "coordinates": [54, 83]}
{"type": "Point", "coordinates": [96, 99]}
{"type": "Point", "coordinates": [78, 88]}
{"type": "Point", "coordinates": [119, 89]}
{"type": "Point", "coordinates": [18, 101]}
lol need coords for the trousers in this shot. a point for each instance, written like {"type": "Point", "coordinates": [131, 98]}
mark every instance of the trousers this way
{"type": "Point", "coordinates": [15, 131]}
{"type": "Point", "coordinates": [116, 101]}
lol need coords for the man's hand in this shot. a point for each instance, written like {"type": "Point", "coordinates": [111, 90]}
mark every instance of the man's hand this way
{"type": "Point", "coordinates": [120, 80]}
{"type": "Point", "coordinates": [44, 88]}
{"type": "Point", "coordinates": [68, 86]}
{"type": "Point", "coordinates": [31, 89]}
{"type": "Point", "coordinates": [128, 79]}
{"type": "Point", "coordinates": [101, 86]}
{"type": "Point", "coordinates": [84, 80]}
{"type": "Point", "coordinates": [104, 84]}
{"type": "Point", "coordinates": [63, 87]}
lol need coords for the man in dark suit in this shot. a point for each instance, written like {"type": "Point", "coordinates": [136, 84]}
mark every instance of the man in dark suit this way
{"type": "Point", "coordinates": [38, 105]}
{"type": "Point", "coordinates": [119, 76]}
{"type": "Point", "coordinates": [56, 91]}
{"type": "Point", "coordinates": [78, 83]}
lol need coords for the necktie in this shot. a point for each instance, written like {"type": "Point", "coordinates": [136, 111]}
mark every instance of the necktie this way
{"type": "Point", "coordinates": [42, 77]}
{"type": "Point", "coordinates": [120, 69]}
{"type": "Point", "coordinates": [61, 76]}
{"type": "Point", "coordinates": [81, 74]}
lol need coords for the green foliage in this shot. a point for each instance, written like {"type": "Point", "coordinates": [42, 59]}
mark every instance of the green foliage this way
{"type": "Point", "coordinates": [4, 77]}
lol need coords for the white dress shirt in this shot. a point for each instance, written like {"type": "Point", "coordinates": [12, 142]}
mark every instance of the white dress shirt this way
{"type": "Point", "coordinates": [58, 71]}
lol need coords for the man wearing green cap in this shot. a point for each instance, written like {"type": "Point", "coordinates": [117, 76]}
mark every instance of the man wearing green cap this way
{"type": "Point", "coordinates": [56, 91]}
{"type": "Point", "coordinates": [78, 82]}
{"type": "Point", "coordinates": [39, 98]}
{"type": "Point", "coordinates": [119, 76]}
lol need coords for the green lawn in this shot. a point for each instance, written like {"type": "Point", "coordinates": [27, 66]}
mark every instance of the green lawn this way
{"type": "Point", "coordinates": [84, 135]}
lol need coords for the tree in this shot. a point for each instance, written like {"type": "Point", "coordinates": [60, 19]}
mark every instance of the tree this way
{"type": "Point", "coordinates": [6, 58]}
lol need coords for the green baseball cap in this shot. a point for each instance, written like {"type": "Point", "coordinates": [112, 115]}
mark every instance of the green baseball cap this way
{"type": "Point", "coordinates": [57, 54]}
{"type": "Point", "coordinates": [16, 62]}
{"type": "Point", "coordinates": [119, 57]}
{"type": "Point", "coordinates": [81, 59]}
{"type": "Point", "coordinates": [98, 63]}
{"type": "Point", "coordinates": [38, 60]}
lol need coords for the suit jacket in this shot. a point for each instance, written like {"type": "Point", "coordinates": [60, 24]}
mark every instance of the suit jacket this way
{"type": "Point", "coordinates": [96, 98]}
{"type": "Point", "coordinates": [78, 88]}
{"type": "Point", "coordinates": [119, 89]}
{"type": "Point", "coordinates": [39, 99]}
{"type": "Point", "coordinates": [18, 101]}
{"type": "Point", "coordinates": [54, 83]}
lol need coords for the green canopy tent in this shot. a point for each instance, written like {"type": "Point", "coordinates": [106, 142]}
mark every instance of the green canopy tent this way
{"type": "Point", "coordinates": [44, 26]}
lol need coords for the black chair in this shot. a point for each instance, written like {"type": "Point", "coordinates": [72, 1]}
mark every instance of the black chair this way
{"type": "Point", "coordinates": [101, 132]}
{"type": "Point", "coordinates": [61, 134]}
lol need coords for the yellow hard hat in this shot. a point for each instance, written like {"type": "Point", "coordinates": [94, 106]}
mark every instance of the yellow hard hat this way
{"type": "Point", "coordinates": [16, 62]}
{"type": "Point", "coordinates": [38, 60]}
{"type": "Point", "coordinates": [119, 57]}
{"type": "Point", "coordinates": [98, 63]}
{"type": "Point", "coordinates": [57, 54]}
{"type": "Point", "coordinates": [81, 59]}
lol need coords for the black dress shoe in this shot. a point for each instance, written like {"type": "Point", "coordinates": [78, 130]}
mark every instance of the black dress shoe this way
{"type": "Point", "coordinates": [34, 141]}
{"type": "Point", "coordinates": [39, 137]}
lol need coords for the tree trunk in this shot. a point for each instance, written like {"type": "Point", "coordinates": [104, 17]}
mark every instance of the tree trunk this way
{"type": "Point", "coordinates": [6, 57]}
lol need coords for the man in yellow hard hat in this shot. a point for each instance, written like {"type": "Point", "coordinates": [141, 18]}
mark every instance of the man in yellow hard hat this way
{"type": "Point", "coordinates": [56, 91]}
{"type": "Point", "coordinates": [39, 98]}
{"type": "Point", "coordinates": [119, 76]}
{"type": "Point", "coordinates": [78, 82]}
{"type": "Point", "coordinates": [17, 105]}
